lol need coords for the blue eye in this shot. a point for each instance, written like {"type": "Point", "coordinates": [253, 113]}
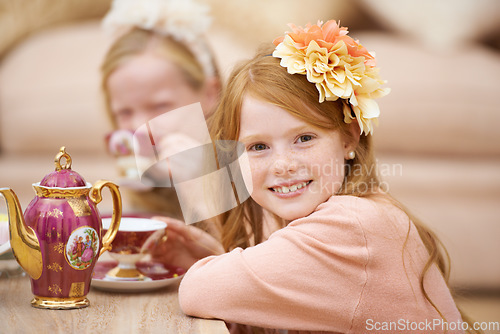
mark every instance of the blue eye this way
{"type": "Point", "coordinates": [258, 147]}
{"type": "Point", "coordinates": [304, 138]}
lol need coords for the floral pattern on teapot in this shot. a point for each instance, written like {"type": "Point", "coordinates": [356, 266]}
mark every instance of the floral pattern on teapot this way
{"type": "Point", "coordinates": [82, 247]}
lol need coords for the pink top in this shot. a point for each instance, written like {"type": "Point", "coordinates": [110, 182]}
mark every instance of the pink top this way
{"type": "Point", "coordinates": [340, 269]}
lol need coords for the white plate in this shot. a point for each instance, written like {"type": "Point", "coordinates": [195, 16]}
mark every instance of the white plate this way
{"type": "Point", "coordinates": [133, 286]}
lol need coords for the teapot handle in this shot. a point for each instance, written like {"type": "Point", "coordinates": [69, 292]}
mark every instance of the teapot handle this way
{"type": "Point", "coordinates": [96, 197]}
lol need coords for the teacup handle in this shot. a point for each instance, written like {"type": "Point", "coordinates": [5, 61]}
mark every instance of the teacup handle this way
{"type": "Point", "coordinates": [96, 197]}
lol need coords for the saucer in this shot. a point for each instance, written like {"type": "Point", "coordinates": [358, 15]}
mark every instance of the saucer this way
{"type": "Point", "coordinates": [158, 275]}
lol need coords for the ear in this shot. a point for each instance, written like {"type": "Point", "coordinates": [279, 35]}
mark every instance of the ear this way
{"type": "Point", "coordinates": [211, 94]}
{"type": "Point", "coordinates": [351, 141]}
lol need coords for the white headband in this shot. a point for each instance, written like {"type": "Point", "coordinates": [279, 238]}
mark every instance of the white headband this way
{"type": "Point", "coordinates": [185, 20]}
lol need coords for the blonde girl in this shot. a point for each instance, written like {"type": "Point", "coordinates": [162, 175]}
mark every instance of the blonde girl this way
{"type": "Point", "coordinates": [159, 62]}
{"type": "Point", "coordinates": [349, 258]}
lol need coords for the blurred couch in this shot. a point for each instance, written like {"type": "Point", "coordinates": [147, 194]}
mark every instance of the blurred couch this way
{"type": "Point", "coordinates": [437, 143]}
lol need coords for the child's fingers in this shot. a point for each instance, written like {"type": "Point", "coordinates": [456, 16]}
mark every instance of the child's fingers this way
{"type": "Point", "coordinates": [159, 238]}
{"type": "Point", "coordinates": [152, 241]}
{"type": "Point", "coordinates": [179, 226]}
{"type": "Point", "coordinates": [175, 225]}
{"type": "Point", "coordinates": [194, 240]}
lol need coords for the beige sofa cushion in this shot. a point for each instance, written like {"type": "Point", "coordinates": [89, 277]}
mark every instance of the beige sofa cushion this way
{"type": "Point", "coordinates": [458, 198]}
{"type": "Point", "coordinates": [49, 92]}
{"type": "Point", "coordinates": [441, 103]}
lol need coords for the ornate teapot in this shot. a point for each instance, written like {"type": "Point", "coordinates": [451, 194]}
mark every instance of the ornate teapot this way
{"type": "Point", "coordinates": [59, 239]}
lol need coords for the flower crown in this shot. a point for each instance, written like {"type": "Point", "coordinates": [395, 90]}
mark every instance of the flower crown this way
{"type": "Point", "coordinates": [338, 65]}
{"type": "Point", "coordinates": [186, 21]}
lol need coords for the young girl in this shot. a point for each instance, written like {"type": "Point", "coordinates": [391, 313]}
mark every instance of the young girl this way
{"type": "Point", "coordinates": [159, 61]}
{"type": "Point", "coordinates": [349, 258]}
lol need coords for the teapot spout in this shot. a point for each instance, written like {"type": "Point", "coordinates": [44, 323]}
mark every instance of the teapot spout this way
{"type": "Point", "coordinates": [23, 240]}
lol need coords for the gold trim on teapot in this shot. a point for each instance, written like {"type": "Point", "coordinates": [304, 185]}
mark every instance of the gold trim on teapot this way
{"type": "Point", "coordinates": [42, 191]}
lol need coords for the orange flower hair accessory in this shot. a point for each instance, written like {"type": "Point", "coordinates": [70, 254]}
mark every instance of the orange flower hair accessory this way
{"type": "Point", "coordinates": [338, 65]}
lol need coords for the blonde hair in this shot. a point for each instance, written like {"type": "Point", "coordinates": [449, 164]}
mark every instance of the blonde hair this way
{"type": "Point", "coordinates": [139, 41]}
{"type": "Point", "coordinates": [264, 78]}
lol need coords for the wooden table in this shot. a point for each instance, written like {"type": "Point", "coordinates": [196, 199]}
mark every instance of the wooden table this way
{"type": "Point", "coordinates": [147, 312]}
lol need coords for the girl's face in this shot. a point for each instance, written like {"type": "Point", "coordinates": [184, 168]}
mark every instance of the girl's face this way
{"type": "Point", "coordinates": [145, 87]}
{"type": "Point", "coordinates": [295, 165]}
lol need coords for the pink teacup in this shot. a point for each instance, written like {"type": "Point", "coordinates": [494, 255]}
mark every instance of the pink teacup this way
{"type": "Point", "coordinates": [127, 247]}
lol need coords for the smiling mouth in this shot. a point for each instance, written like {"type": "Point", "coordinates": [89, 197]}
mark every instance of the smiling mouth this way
{"type": "Point", "coordinates": [290, 189]}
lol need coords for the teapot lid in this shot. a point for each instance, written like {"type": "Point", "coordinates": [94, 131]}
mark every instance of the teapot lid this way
{"type": "Point", "coordinates": [63, 176]}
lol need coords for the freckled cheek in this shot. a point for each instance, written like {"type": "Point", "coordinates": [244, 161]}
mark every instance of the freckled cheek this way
{"type": "Point", "coordinates": [315, 155]}
{"type": "Point", "coordinates": [328, 171]}
{"type": "Point", "coordinates": [259, 170]}
{"type": "Point", "coordinates": [312, 157]}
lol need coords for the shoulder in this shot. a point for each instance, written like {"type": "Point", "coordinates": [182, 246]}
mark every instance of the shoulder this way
{"type": "Point", "coordinates": [356, 206]}
{"type": "Point", "coordinates": [352, 208]}
{"type": "Point", "coordinates": [350, 215]}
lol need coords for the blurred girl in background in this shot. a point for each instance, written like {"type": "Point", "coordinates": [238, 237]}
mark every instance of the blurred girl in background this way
{"type": "Point", "coordinates": [159, 61]}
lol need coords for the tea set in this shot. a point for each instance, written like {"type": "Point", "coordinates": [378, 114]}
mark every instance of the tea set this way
{"type": "Point", "coordinates": [61, 235]}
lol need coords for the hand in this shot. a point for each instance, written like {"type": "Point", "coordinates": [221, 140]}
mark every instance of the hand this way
{"type": "Point", "coordinates": [181, 245]}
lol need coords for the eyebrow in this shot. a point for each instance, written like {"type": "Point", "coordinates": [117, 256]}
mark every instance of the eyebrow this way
{"type": "Point", "coordinates": [249, 138]}
{"type": "Point", "coordinates": [253, 137]}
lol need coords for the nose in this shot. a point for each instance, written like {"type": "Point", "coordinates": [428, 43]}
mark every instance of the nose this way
{"type": "Point", "coordinates": [284, 163]}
